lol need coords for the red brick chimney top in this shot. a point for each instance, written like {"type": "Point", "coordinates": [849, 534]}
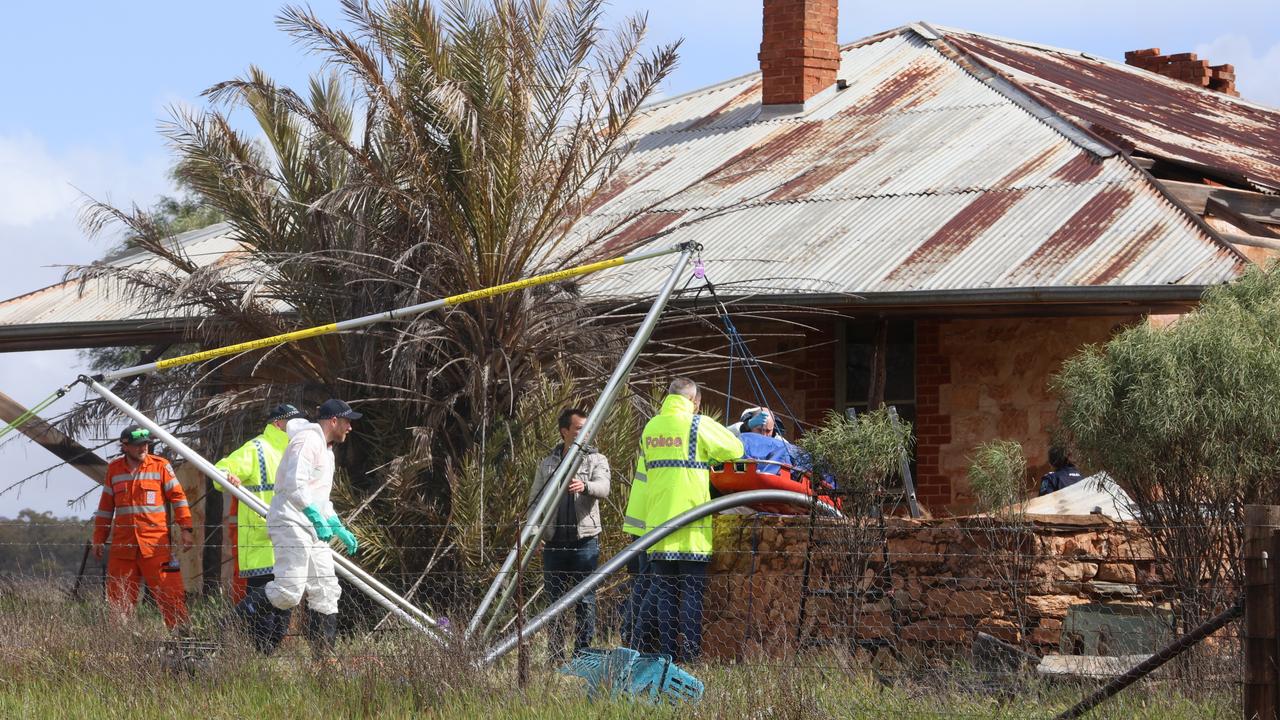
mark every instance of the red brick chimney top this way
{"type": "Point", "coordinates": [1186, 67]}
{"type": "Point", "coordinates": [799, 56]}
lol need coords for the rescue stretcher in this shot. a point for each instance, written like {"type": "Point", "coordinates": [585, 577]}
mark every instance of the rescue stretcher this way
{"type": "Point", "coordinates": [747, 474]}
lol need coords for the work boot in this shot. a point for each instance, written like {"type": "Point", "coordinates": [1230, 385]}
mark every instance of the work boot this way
{"type": "Point", "coordinates": [274, 627]}
{"type": "Point", "coordinates": [322, 632]}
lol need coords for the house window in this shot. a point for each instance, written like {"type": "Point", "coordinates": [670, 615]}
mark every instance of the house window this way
{"type": "Point", "coordinates": [899, 367]}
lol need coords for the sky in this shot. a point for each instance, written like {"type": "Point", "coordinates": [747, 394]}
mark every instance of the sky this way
{"type": "Point", "coordinates": [87, 85]}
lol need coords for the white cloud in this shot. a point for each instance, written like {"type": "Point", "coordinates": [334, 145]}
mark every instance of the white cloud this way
{"type": "Point", "coordinates": [40, 199]}
{"type": "Point", "coordinates": [33, 184]}
{"type": "Point", "coordinates": [1257, 70]}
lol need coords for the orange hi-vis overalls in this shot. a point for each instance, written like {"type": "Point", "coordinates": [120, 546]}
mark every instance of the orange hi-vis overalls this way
{"type": "Point", "coordinates": [140, 545]}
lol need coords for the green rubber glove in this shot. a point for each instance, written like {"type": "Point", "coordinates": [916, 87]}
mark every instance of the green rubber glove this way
{"type": "Point", "coordinates": [335, 523]}
{"type": "Point", "coordinates": [317, 521]}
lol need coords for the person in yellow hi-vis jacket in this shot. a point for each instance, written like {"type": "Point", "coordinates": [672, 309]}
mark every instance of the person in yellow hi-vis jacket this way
{"type": "Point", "coordinates": [633, 523]}
{"type": "Point", "coordinates": [252, 467]}
{"type": "Point", "coordinates": [678, 447]}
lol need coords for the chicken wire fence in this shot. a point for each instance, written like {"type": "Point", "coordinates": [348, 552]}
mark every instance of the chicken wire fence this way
{"type": "Point", "coordinates": [962, 609]}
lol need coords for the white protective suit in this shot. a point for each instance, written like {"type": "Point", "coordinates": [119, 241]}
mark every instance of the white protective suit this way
{"type": "Point", "coordinates": [304, 563]}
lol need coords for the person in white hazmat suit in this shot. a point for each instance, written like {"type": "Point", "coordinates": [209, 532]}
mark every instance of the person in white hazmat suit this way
{"type": "Point", "coordinates": [301, 521]}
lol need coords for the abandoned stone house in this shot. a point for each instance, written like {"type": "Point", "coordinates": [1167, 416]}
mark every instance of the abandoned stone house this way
{"type": "Point", "coordinates": [976, 207]}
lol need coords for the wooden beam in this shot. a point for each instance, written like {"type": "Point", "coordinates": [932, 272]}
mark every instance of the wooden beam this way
{"type": "Point", "coordinates": [1255, 206]}
{"type": "Point", "coordinates": [53, 440]}
{"type": "Point", "coordinates": [1218, 208]}
{"type": "Point", "coordinates": [1250, 240]}
{"type": "Point", "coordinates": [879, 351]}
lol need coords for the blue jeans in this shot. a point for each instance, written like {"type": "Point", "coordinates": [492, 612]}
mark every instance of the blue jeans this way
{"type": "Point", "coordinates": [562, 570]}
{"type": "Point", "coordinates": [674, 603]}
{"type": "Point", "coordinates": [638, 567]}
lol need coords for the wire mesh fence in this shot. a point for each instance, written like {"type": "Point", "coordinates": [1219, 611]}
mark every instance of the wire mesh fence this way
{"type": "Point", "coordinates": [796, 615]}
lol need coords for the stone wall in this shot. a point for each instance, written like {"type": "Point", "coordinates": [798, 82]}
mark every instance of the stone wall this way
{"type": "Point", "coordinates": [924, 587]}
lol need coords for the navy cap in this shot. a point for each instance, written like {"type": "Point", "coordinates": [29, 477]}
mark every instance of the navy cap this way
{"type": "Point", "coordinates": [333, 407]}
{"type": "Point", "coordinates": [285, 411]}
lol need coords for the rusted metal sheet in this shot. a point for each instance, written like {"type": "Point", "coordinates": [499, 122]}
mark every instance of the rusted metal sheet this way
{"type": "Point", "coordinates": [1158, 115]}
{"type": "Point", "coordinates": [917, 177]}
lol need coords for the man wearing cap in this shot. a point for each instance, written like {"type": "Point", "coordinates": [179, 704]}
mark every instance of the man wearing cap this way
{"type": "Point", "coordinates": [301, 521]}
{"type": "Point", "coordinates": [137, 488]}
{"type": "Point", "coordinates": [252, 467]}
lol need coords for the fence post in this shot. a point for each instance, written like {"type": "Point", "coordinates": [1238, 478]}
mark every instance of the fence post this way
{"type": "Point", "coordinates": [1259, 613]}
{"type": "Point", "coordinates": [1274, 567]}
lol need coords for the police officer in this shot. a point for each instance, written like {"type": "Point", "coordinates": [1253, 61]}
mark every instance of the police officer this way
{"type": "Point", "coordinates": [679, 447]}
{"type": "Point", "coordinates": [1065, 473]}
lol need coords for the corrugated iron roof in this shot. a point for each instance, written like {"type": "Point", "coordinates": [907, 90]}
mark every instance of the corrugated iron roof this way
{"type": "Point", "coordinates": [918, 176]}
{"type": "Point", "coordinates": [105, 302]}
{"type": "Point", "coordinates": [1163, 117]}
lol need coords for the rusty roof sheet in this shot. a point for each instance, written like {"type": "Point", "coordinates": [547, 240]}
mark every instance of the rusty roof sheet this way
{"type": "Point", "coordinates": [917, 177]}
{"type": "Point", "coordinates": [102, 300]}
{"type": "Point", "coordinates": [1161, 116]}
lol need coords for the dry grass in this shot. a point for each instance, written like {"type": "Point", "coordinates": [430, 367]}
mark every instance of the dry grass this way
{"type": "Point", "coordinates": [60, 659]}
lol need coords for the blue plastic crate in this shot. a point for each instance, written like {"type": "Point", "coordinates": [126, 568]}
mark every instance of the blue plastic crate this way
{"type": "Point", "coordinates": [606, 671]}
{"type": "Point", "coordinates": [642, 675]}
{"type": "Point", "coordinates": [661, 679]}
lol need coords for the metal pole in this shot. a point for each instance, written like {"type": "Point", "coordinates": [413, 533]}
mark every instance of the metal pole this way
{"type": "Point", "coordinates": [388, 315]}
{"type": "Point", "coordinates": [643, 543]}
{"type": "Point", "coordinates": [364, 582]}
{"type": "Point", "coordinates": [553, 491]}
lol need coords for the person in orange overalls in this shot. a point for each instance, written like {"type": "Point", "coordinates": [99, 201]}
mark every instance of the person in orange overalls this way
{"type": "Point", "coordinates": [138, 486]}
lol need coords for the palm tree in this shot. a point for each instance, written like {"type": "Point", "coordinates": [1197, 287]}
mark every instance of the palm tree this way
{"type": "Point", "coordinates": [451, 147]}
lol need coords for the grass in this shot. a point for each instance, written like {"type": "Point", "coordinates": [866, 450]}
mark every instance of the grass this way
{"type": "Point", "coordinates": [59, 659]}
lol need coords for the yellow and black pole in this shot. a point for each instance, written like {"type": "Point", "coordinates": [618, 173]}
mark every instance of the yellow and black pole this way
{"type": "Point", "coordinates": [387, 316]}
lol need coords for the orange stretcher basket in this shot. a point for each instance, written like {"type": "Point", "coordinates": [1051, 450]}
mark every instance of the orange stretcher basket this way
{"type": "Point", "coordinates": [742, 475]}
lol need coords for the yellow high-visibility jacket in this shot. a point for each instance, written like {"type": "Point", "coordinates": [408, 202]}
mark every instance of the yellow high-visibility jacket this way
{"type": "Point", "coordinates": [678, 450]}
{"type": "Point", "coordinates": [255, 463]}
{"type": "Point", "coordinates": [633, 520]}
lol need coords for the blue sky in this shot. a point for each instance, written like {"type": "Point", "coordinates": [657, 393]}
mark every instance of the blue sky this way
{"type": "Point", "coordinates": [86, 84]}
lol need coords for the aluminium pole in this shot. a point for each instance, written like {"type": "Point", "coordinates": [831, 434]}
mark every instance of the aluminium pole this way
{"type": "Point", "coordinates": [555, 487]}
{"type": "Point", "coordinates": [643, 543]}
{"type": "Point", "coordinates": [364, 582]}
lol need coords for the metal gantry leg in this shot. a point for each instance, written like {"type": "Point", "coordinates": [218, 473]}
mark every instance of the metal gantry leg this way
{"type": "Point", "coordinates": [554, 490]}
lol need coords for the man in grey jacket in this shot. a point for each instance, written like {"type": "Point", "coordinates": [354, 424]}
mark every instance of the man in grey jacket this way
{"type": "Point", "coordinates": [571, 546]}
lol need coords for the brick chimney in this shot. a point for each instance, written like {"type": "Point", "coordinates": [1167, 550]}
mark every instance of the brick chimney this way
{"type": "Point", "coordinates": [1187, 68]}
{"type": "Point", "coordinates": [799, 56]}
